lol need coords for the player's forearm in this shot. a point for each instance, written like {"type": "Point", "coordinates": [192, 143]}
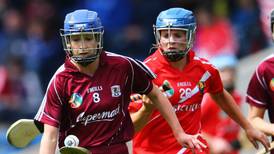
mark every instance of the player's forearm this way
{"type": "Point", "coordinates": [140, 118]}
{"type": "Point", "coordinates": [263, 126]}
{"type": "Point", "coordinates": [49, 141]}
{"type": "Point", "coordinates": [167, 111]}
{"type": "Point", "coordinates": [47, 146]}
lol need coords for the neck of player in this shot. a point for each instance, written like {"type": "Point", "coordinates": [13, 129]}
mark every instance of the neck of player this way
{"type": "Point", "coordinates": [90, 69]}
{"type": "Point", "coordinates": [180, 65]}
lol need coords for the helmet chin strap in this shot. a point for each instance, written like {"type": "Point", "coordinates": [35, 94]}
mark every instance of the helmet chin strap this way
{"type": "Point", "coordinates": [83, 63]}
{"type": "Point", "coordinates": [174, 55]}
{"type": "Point", "coordinates": [87, 60]}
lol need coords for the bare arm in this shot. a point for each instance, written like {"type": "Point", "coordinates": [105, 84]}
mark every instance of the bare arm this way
{"type": "Point", "coordinates": [227, 103]}
{"type": "Point", "coordinates": [166, 110]}
{"type": "Point", "coordinates": [49, 140]}
{"type": "Point", "coordinates": [141, 117]}
{"type": "Point", "coordinates": [256, 116]}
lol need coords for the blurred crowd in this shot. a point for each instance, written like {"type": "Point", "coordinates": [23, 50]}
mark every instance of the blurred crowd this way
{"type": "Point", "coordinates": [31, 49]}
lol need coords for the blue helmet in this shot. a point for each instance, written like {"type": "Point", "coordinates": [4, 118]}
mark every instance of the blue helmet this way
{"type": "Point", "coordinates": [223, 61]}
{"type": "Point", "coordinates": [83, 23]}
{"type": "Point", "coordinates": [176, 19]}
{"type": "Point", "coordinates": [227, 65]}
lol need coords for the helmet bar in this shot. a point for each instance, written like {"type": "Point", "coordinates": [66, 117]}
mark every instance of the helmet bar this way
{"type": "Point", "coordinates": [176, 19]}
{"type": "Point", "coordinates": [87, 25]}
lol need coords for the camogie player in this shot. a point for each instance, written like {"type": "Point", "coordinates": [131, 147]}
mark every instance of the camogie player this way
{"type": "Point", "coordinates": [86, 102]}
{"type": "Point", "coordinates": [260, 93]}
{"type": "Point", "coordinates": [220, 131]}
{"type": "Point", "coordinates": [190, 77]}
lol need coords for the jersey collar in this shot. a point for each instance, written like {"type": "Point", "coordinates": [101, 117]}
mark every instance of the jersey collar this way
{"type": "Point", "coordinates": [160, 56]}
{"type": "Point", "coordinates": [73, 68]}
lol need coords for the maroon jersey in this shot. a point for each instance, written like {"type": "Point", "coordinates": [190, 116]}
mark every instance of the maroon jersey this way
{"type": "Point", "coordinates": [95, 108]}
{"type": "Point", "coordinates": [260, 90]}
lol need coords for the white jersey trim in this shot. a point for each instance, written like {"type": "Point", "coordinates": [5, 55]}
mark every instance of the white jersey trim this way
{"type": "Point", "coordinates": [138, 63]}
{"type": "Point", "coordinates": [50, 117]}
{"type": "Point", "coordinates": [205, 77]}
{"type": "Point", "coordinates": [40, 112]}
{"type": "Point", "coordinates": [262, 80]}
{"type": "Point", "coordinates": [144, 67]}
{"type": "Point", "coordinates": [255, 100]}
{"type": "Point", "coordinates": [55, 89]}
{"type": "Point", "coordinates": [182, 151]}
{"type": "Point", "coordinates": [195, 90]}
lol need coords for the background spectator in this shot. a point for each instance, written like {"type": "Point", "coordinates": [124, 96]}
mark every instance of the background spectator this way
{"type": "Point", "coordinates": [221, 131]}
{"type": "Point", "coordinates": [19, 93]}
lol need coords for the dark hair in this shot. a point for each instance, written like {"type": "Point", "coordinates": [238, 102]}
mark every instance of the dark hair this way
{"type": "Point", "coordinates": [272, 20]}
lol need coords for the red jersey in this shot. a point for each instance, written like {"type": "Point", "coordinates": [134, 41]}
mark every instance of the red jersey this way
{"type": "Point", "coordinates": [217, 123]}
{"type": "Point", "coordinates": [4, 82]}
{"type": "Point", "coordinates": [190, 84]}
{"type": "Point", "coordinates": [95, 108]}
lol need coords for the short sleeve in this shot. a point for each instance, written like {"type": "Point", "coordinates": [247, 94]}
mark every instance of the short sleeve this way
{"type": "Point", "coordinates": [256, 93]}
{"type": "Point", "coordinates": [215, 82]}
{"type": "Point", "coordinates": [142, 77]}
{"type": "Point", "coordinates": [51, 108]}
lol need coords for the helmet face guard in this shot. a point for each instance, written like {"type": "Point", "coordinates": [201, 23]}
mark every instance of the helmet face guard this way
{"type": "Point", "coordinates": [82, 25]}
{"type": "Point", "coordinates": [90, 34]}
{"type": "Point", "coordinates": [176, 19]}
{"type": "Point", "coordinates": [176, 55]}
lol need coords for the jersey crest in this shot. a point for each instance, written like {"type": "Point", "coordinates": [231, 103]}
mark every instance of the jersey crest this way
{"type": "Point", "coordinates": [75, 100]}
{"type": "Point", "coordinates": [271, 84]}
{"type": "Point", "coordinates": [201, 86]}
{"type": "Point", "coordinates": [115, 91]}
